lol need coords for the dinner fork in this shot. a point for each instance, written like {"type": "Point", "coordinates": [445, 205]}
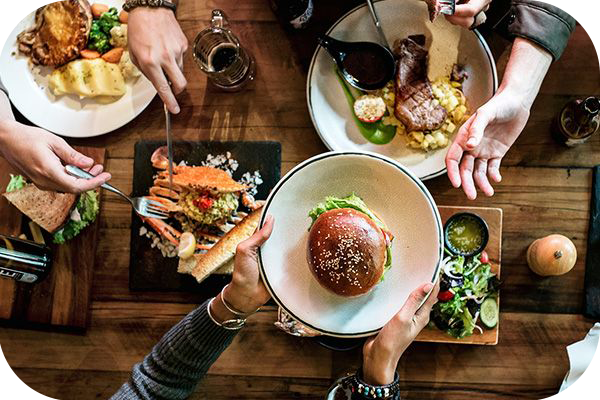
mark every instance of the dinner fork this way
{"type": "Point", "coordinates": [142, 205]}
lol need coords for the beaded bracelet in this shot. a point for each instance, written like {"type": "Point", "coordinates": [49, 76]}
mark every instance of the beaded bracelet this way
{"type": "Point", "coordinates": [357, 385]}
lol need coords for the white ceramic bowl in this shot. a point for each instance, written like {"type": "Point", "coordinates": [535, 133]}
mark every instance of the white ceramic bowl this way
{"type": "Point", "coordinates": [329, 110]}
{"type": "Point", "coordinates": [390, 190]}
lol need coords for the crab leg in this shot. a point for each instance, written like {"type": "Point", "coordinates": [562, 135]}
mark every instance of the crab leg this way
{"type": "Point", "coordinates": [163, 229]}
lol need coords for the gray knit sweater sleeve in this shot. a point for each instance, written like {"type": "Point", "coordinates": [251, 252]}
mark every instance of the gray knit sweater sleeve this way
{"type": "Point", "coordinates": [179, 360]}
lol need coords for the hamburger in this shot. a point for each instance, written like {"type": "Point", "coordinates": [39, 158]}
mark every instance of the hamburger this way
{"type": "Point", "coordinates": [349, 246]}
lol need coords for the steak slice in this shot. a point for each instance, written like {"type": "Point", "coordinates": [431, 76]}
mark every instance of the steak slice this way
{"type": "Point", "coordinates": [414, 105]}
{"type": "Point", "coordinates": [61, 31]}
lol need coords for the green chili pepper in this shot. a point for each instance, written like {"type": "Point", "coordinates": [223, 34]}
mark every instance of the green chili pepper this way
{"type": "Point", "coordinates": [375, 132]}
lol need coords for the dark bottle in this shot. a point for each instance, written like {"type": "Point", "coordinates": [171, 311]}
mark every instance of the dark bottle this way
{"type": "Point", "coordinates": [294, 13]}
{"type": "Point", "coordinates": [577, 121]}
{"type": "Point", "coordinates": [24, 261]}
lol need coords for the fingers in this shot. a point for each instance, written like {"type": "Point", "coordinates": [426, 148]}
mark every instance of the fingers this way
{"type": "Point", "coordinates": [69, 155]}
{"type": "Point", "coordinates": [455, 153]}
{"type": "Point", "coordinates": [158, 79]}
{"type": "Point", "coordinates": [96, 169]}
{"type": "Point", "coordinates": [422, 315]}
{"type": "Point", "coordinates": [466, 176]}
{"type": "Point", "coordinates": [255, 241]}
{"type": "Point", "coordinates": [465, 22]}
{"type": "Point", "coordinates": [175, 74]}
{"type": "Point", "coordinates": [480, 177]}
{"type": "Point", "coordinates": [408, 310]}
{"type": "Point", "coordinates": [494, 170]}
{"type": "Point", "coordinates": [477, 129]}
{"type": "Point", "coordinates": [470, 9]}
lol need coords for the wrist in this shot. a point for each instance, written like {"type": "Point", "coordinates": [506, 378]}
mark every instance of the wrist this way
{"type": "Point", "coordinates": [7, 126]}
{"type": "Point", "coordinates": [238, 301]}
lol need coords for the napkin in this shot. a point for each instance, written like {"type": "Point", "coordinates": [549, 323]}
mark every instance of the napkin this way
{"type": "Point", "coordinates": [580, 355]}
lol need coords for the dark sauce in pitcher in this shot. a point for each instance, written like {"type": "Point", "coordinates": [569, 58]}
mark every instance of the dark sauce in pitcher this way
{"type": "Point", "coordinates": [223, 57]}
{"type": "Point", "coordinates": [366, 65]}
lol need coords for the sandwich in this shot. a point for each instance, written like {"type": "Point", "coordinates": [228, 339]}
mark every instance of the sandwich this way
{"type": "Point", "coordinates": [64, 215]}
{"type": "Point", "coordinates": [349, 246]}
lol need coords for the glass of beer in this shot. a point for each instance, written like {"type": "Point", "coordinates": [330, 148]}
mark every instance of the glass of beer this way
{"type": "Point", "coordinates": [220, 56]}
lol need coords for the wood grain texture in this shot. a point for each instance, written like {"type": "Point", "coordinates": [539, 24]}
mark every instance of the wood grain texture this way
{"type": "Point", "coordinates": [545, 189]}
{"type": "Point", "coordinates": [62, 299]}
{"type": "Point", "coordinates": [493, 218]}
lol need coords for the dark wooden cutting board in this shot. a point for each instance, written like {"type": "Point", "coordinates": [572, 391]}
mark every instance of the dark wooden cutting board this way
{"type": "Point", "coordinates": [63, 298]}
{"type": "Point", "coordinates": [148, 269]}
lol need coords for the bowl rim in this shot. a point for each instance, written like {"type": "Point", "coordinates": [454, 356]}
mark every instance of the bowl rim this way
{"type": "Point", "coordinates": [313, 63]}
{"type": "Point", "coordinates": [480, 220]}
{"type": "Point", "coordinates": [332, 154]}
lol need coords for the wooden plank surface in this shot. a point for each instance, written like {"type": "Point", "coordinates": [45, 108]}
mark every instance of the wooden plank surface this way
{"type": "Point", "coordinates": [493, 218]}
{"type": "Point", "coordinates": [545, 189]}
{"type": "Point", "coordinates": [63, 298]}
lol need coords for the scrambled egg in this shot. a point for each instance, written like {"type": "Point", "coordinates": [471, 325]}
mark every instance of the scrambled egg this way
{"type": "Point", "coordinates": [88, 78]}
{"type": "Point", "coordinates": [223, 206]}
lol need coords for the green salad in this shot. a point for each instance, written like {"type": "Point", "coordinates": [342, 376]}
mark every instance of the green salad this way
{"type": "Point", "coordinates": [468, 296]}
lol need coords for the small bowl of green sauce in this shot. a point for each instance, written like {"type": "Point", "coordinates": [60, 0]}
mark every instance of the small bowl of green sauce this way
{"type": "Point", "coordinates": [466, 234]}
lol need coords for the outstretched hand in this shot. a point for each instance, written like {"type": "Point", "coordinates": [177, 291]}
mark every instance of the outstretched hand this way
{"type": "Point", "coordinates": [466, 12]}
{"type": "Point", "coordinates": [475, 156]}
{"type": "Point", "coordinates": [381, 353]}
{"type": "Point", "coordinates": [40, 155]}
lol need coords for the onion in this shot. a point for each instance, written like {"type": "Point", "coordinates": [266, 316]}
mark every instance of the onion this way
{"type": "Point", "coordinates": [552, 255]}
{"type": "Point", "coordinates": [479, 329]}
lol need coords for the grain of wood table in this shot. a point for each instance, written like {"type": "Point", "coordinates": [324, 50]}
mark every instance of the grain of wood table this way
{"type": "Point", "coordinates": [545, 189]}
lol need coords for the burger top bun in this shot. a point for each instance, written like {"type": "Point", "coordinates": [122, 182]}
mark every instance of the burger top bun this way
{"type": "Point", "coordinates": [346, 252]}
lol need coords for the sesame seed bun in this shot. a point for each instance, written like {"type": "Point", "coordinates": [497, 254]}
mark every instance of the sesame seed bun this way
{"type": "Point", "coordinates": [347, 252]}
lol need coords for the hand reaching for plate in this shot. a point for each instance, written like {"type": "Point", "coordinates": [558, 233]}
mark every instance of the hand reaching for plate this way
{"type": "Point", "coordinates": [381, 353]}
{"type": "Point", "coordinates": [157, 46]}
{"type": "Point", "coordinates": [40, 155]}
{"type": "Point", "coordinates": [474, 157]}
{"type": "Point", "coordinates": [466, 13]}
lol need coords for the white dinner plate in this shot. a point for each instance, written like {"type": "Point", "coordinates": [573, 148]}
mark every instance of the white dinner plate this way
{"type": "Point", "coordinates": [329, 110]}
{"type": "Point", "coordinates": [391, 191]}
{"type": "Point", "coordinates": [65, 115]}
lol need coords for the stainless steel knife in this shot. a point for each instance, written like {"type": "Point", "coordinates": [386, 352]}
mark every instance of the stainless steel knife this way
{"type": "Point", "coordinates": [169, 146]}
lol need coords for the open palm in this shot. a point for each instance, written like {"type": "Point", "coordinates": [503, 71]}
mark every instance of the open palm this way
{"type": "Point", "coordinates": [475, 155]}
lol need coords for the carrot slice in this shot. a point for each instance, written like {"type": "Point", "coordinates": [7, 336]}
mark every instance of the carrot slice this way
{"type": "Point", "coordinates": [123, 17]}
{"type": "Point", "coordinates": [89, 54]}
{"type": "Point", "coordinates": [98, 9]}
{"type": "Point", "coordinates": [113, 56]}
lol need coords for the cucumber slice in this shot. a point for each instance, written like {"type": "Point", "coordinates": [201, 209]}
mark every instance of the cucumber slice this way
{"type": "Point", "coordinates": [489, 312]}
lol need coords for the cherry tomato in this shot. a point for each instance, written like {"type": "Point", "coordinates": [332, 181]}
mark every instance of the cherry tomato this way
{"type": "Point", "coordinates": [445, 296]}
{"type": "Point", "coordinates": [484, 257]}
{"type": "Point", "coordinates": [203, 202]}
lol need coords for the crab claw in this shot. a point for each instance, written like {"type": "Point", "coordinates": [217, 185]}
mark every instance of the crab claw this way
{"type": "Point", "coordinates": [170, 205]}
{"type": "Point", "coordinates": [163, 229]}
{"type": "Point", "coordinates": [160, 158]}
{"type": "Point", "coordinates": [163, 192]}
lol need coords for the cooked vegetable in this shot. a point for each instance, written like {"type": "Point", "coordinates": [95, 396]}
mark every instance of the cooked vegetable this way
{"type": "Point", "coordinates": [377, 132]}
{"type": "Point", "coordinates": [100, 32]}
{"type": "Point", "coordinates": [98, 9]}
{"type": "Point", "coordinates": [123, 17]}
{"type": "Point", "coordinates": [489, 312]}
{"type": "Point", "coordinates": [88, 78]}
{"type": "Point", "coordinates": [87, 210]}
{"type": "Point", "coordinates": [552, 255]}
{"type": "Point", "coordinates": [89, 54]}
{"type": "Point", "coordinates": [465, 284]}
{"type": "Point", "coordinates": [118, 36]}
{"type": "Point", "coordinates": [113, 55]}
{"type": "Point", "coordinates": [369, 108]}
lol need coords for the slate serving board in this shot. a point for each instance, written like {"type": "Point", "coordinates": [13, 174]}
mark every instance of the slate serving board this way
{"type": "Point", "coordinates": [148, 269]}
{"type": "Point", "coordinates": [63, 298]}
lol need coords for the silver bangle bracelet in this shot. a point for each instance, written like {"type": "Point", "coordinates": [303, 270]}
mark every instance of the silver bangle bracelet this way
{"type": "Point", "coordinates": [230, 324]}
{"type": "Point", "coordinates": [231, 309]}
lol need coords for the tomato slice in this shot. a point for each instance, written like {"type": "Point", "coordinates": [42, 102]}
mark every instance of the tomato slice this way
{"type": "Point", "coordinates": [203, 202]}
{"type": "Point", "coordinates": [446, 295]}
{"type": "Point", "coordinates": [484, 257]}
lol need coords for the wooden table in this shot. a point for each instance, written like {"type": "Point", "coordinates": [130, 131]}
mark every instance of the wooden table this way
{"type": "Point", "coordinates": [546, 189]}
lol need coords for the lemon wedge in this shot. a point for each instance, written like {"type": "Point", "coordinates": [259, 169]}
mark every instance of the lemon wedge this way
{"type": "Point", "coordinates": [187, 245]}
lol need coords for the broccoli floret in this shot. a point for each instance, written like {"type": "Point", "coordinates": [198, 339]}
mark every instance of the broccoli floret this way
{"type": "Point", "coordinates": [99, 39]}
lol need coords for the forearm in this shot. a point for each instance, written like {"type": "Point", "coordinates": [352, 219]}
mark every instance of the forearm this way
{"type": "Point", "coordinates": [181, 358]}
{"type": "Point", "coordinates": [526, 70]}
{"type": "Point", "coordinates": [5, 108]}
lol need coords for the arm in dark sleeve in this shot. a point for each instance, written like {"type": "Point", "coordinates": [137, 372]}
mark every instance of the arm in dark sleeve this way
{"type": "Point", "coordinates": [546, 25]}
{"type": "Point", "coordinates": [179, 360]}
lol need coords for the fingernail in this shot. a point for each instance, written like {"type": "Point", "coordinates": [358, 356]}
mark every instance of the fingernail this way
{"type": "Point", "coordinates": [176, 110]}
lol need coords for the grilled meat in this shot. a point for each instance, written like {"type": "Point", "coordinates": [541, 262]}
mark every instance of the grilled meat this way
{"type": "Point", "coordinates": [414, 105]}
{"type": "Point", "coordinates": [61, 31]}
